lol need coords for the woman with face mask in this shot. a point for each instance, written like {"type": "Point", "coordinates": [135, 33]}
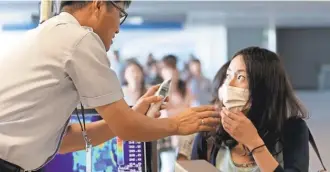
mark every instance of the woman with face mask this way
{"type": "Point", "coordinates": [262, 126]}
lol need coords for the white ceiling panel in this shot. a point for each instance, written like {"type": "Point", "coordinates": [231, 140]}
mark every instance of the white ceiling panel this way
{"type": "Point", "coordinates": [231, 13]}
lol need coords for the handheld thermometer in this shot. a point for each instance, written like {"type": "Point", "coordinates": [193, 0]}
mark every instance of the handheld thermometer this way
{"type": "Point", "coordinates": [163, 91]}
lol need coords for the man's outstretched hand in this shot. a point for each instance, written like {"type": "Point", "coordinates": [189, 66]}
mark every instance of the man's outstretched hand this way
{"type": "Point", "coordinates": [196, 119]}
{"type": "Point", "coordinates": [189, 121]}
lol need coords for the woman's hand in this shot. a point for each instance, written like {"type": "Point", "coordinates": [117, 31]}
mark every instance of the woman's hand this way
{"type": "Point", "coordinates": [243, 131]}
{"type": "Point", "coordinates": [240, 128]}
{"type": "Point", "coordinates": [143, 104]}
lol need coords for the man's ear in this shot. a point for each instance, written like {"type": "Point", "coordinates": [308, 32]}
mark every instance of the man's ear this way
{"type": "Point", "coordinates": [96, 6]}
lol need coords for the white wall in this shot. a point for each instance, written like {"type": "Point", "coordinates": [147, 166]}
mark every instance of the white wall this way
{"type": "Point", "coordinates": [239, 38]}
{"type": "Point", "coordinates": [208, 43]}
{"type": "Point", "coordinates": [210, 46]}
{"type": "Point", "coordinates": [139, 43]}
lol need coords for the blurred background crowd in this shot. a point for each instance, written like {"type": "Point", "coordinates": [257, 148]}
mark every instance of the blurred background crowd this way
{"type": "Point", "coordinates": [189, 87]}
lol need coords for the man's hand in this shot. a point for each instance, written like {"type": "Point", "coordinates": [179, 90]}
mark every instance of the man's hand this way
{"type": "Point", "coordinates": [143, 104]}
{"type": "Point", "coordinates": [196, 119]}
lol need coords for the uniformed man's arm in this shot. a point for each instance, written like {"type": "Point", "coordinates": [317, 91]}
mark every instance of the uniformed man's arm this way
{"type": "Point", "coordinates": [98, 132]}
{"type": "Point", "coordinates": [130, 125]}
{"type": "Point", "coordinates": [126, 123]}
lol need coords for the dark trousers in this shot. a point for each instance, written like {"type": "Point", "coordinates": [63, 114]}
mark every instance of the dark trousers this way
{"type": "Point", "coordinates": [9, 167]}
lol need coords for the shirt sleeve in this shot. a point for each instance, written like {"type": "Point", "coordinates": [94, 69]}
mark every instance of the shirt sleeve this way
{"type": "Point", "coordinates": [89, 69]}
{"type": "Point", "coordinates": [296, 148]}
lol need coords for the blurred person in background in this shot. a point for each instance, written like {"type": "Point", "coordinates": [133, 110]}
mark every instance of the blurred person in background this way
{"type": "Point", "coordinates": [153, 73]}
{"type": "Point", "coordinates": [133, 84]}
{"type": "Point", "coordinates": [186, 74]}
{"type": "Point", "coordinates": [200, 88]}
{"type": "Point", "coordinates": [178, 100]}
{"type": "Point", "coordinates": [199, 85]}
{"type": "Point", "coordinates": [262, 126]}
{"type": "Point", "coordinates": [150, 59]}
{"type": "Point", "coordinates": [186, 142]}
{"type": "Point", "coordinates": [180, 96]}
{"type": "Point", "coordinates": [117, 65]}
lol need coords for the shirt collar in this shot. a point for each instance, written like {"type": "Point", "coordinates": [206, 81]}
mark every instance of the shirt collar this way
{"type": "Point", "coordinates": [70, 18]}
{"type": "Point", "coordinates": [67, 16]}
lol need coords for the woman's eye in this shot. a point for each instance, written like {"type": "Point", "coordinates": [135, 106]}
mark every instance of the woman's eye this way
{"type": "Point", "coordinates": [241, 77]}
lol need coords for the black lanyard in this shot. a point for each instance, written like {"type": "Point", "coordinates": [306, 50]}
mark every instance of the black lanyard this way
{"type": "Point", "coordinates": [83, 124]}
{"type": "Point", "coordinates": [87, 141]}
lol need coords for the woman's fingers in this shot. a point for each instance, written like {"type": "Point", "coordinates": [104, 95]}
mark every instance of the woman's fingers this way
{"type": "Point", "coordinates": [227, 127]}
{"type": "Point", "coordinates": [226, 119]}
{"type": "Point", "coordinates": [231, 115]}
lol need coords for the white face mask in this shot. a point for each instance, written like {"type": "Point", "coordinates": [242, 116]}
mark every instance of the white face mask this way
{"type": "Point", "coordinates": [233, 98]}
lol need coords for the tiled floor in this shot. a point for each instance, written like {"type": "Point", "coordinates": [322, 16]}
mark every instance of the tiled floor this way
{"type": "Point", "coordinates": [318, 104]}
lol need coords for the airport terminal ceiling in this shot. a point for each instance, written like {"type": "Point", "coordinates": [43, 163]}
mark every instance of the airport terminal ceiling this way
{"type": "Point", "coordinates": [279, 13]}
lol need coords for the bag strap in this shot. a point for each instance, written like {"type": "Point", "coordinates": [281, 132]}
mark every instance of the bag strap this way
{"type": "Point", "coordinates": [312, 142]}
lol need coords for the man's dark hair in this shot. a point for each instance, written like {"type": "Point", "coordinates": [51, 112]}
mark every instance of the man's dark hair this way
{"type": "Point", "coordinates": [77, 5]}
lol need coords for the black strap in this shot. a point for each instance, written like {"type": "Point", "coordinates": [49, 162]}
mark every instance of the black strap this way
{"type": "Point", "coordinates": [312, 142]}
{"type": "Point", "coordinates": [83, 124]}
{"type": "Point", "coordinates": [254, 149]}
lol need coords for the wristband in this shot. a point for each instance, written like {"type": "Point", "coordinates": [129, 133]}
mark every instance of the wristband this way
{"type": "Point", "coordinates": [254, 149]}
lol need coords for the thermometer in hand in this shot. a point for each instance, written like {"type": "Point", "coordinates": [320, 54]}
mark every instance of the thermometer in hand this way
{"type": "Point", "coordinates": [163, 91]}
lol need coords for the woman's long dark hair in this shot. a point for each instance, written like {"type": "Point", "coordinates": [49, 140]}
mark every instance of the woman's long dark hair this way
{"type": "Point", "coordinates": [218, 80]}
{"type": "Point", "coordinates": [143, 85]}
{"type": "Point", "coordinates": [271, 95]}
